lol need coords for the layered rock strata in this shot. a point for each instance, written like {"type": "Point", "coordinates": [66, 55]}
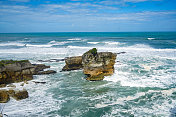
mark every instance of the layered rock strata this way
{"type": "Point", "coordinates": [73, 63]}
{"type": "Point", "coordinates": [17, 71]}
{"type": "Point", "coordinates": [95, 64]}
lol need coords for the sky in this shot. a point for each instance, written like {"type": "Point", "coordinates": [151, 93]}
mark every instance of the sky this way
{"type": "Point", "coordinates": [87, 15]}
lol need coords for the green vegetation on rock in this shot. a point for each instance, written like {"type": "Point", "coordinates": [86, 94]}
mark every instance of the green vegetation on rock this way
{"type": "Point", "coordinates": [93, 51]}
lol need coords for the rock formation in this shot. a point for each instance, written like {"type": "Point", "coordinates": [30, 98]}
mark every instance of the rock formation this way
{"type": "Point", "coordinates": [4, 97]}
{"type": "Point", "coordinates": [19, 95]}
{"type": "Point", "coordinates": [95, 64]}
{"type": "Point", "coordinates": [73, 63]}
{"type": "Point", "coordinates": [17, 71]}
{"type": "Point", "coordinates": [16, 94]}
{"type": "Point", "coordinates": [46, 72]}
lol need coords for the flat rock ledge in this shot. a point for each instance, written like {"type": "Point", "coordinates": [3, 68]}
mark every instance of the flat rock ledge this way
{"type": "Point", "coordinates": [17, 71]}
{"type": "Point", "coordinates": [95, 64]}
{"type": "Point", "coordinates": [73, 63]}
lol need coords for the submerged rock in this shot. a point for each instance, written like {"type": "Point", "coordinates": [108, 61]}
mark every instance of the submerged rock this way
{"type": "Point", "coordinates": [96, 65]}
{"type": "Point", "coordinates": [38, 68]}
{"type": "Point", "coordinates": [38, 82]}
{"type": "Point", "coordinates": [4, 97]}
{"type": "Point", "coordinates": [73, 63]}
{"type": "Point", "coordinates": [46, 72]}
{"type": "Point", "coordinates": [11, 85]}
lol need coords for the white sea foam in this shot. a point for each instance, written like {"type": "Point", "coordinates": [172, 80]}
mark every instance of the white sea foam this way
{"type": "Point", "coordinates": [29, 45]}
{"type": "Point", "coordinates": [108, 43]}
{"type": "Point", "coordinates": [12, 44]}
{"type": "Point", "coordinates": [122, 100]}
{"type": "Point", "coordinates": [157, 78]}
{"type": "Point", "coordinates": [59, 43]}
{"type": "Point", "coordinates": [52, 42]}
{"type": "Point", "coordinates": [36, 50]}
{"type": "Point", "coordinates": [150, 38]}
{"type": "Point", "coordinates": [137, 47]}
{"type": "Point", "coordinates": [93, 42]}
{"type": "Point", "coordinates": [112, 43]}
{"type": "Point", "coordinates": [149, 60]}
{"type": "Point", "coordinates": [151, 107]}
{"type": "Point", "coordinates": [39, 100]}
{"type": "Point", "coordinates": [77, 39]}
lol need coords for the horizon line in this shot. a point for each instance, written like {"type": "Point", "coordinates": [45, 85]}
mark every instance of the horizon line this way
{"type": "Point", "coordinates": [87, 32]}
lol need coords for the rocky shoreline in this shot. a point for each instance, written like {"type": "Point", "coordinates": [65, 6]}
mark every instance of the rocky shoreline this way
{"type": "Point", "coordinates": [95, 66]}
{"type": "Point", "coordinates": [18, 71]}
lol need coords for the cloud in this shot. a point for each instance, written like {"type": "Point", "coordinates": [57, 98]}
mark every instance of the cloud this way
{"type": "Point", "coordinates": [74, 14]}
{"type": "Point", "coordinates": [6, 10]}
{"type": "Point", "coordinates": [20, 0]}
{"type": "Point", "coordinates": [75, 8]}
{"type": "Point", "coordinates": [75, 11]}
{"type": "Point", "coordinates": [139, 0]}
{"type": "Point", "coordinates": [122, 2]}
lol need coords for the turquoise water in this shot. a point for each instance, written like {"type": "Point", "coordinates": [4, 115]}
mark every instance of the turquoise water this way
{"type": "Point", "coordinates": [143, 84]}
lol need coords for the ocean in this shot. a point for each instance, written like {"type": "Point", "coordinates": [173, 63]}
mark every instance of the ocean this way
{"type": "Point", "coordinates": [143, 85]}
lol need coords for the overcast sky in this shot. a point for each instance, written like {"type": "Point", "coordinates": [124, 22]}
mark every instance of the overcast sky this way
{"type": "Point", "coordinates": [87, 15]}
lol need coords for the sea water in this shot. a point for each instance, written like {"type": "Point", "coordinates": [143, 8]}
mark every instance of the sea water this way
{"type": "Point", "coordinates": [143, 85]}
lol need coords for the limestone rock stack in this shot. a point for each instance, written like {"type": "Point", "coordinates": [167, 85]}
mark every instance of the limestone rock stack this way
{"type": "Point", "coordinates": [96, 65]}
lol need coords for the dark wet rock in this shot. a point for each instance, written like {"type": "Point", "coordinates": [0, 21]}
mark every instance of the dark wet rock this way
{"type": "Point", "coordinates": [4, 96]}
{"type": "Point", "coordinates": [2, 68]}
{"type": "Point", "coordinates": [22, 84]}
{"type": "Point", "coordinates": [2, 85]}
{"type": "Point", "coordinates": [121, 53]}
{"type": "Point", "coordinates": [11, 92]}
{"type": "Point", "coordinates": [37, 82]}
{"type": "Point", "coordinates": [38, 68]}
{"type": "Point", "coordinates": [73, 63]}
{"type": "Point", "coordinates": [19, 95]}
{"type": "Point", "coordinates": [46, 72]}
{"type": "Point", "coordinates": [16, 94]}
{"type": "Point", "coordinates": [11, 85]}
